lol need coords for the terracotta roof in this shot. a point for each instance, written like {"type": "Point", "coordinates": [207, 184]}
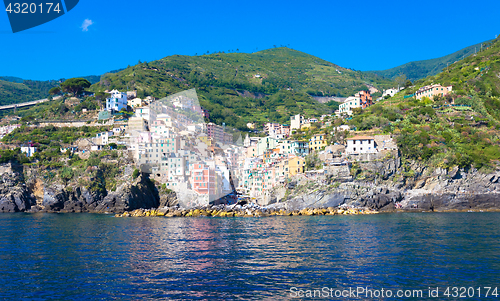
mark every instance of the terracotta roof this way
{"type": "Point", "coordinates": [361, 138]}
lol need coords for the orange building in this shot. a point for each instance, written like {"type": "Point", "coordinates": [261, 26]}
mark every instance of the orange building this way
{"type": "Point", "coordinates": [365, 97]}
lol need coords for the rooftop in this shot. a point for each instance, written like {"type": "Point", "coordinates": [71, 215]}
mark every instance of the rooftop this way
{"type": "Point", "coordinates": [361, 138]}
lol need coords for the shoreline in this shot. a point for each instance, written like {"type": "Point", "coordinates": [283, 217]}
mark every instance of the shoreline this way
{"type": "Point", "coordinates": [172, 212]}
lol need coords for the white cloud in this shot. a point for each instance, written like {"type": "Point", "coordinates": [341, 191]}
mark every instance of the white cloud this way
{"type": "Point", "coordinates": [86, 24]}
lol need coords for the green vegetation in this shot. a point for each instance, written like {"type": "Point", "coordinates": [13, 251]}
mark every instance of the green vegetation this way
{"type": "Point", "coordinates": [135, 174]}
{"type": "Point", "coordinates": [461, 129]}
{"type": "Point", "coordinates": [27, 90]}
{"type": "Point", "coordinates": [75, 85]}
{"type": "Point", "coordinates": [50, 135]}
{"type": "Point", "coordinates": [421, 69]}
{"type": "Point", "coordinates": [13, 155]}
{"type": "Point", "coordinates": [237, 88]}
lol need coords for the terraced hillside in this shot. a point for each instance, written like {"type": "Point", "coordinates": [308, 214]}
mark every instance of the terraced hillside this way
{"type": "Point", "coordinates": [461, 129]}
{"type": "Point", "coordinates": [237, 88]}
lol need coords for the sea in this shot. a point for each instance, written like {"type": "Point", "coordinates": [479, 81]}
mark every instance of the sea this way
{"type": "Point", "coordinates": [397, 256]}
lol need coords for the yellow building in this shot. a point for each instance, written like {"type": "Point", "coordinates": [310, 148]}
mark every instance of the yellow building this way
{"type": "Point", "coordinates": [317, 142]}
{"type": "Point", "coordinates": [205, 139]}
{"type": "Point", "coordinates": [296, 165]}
{"type": "Point", "coordinates": [431, 91]}
{"type": "Point", "coordinates": [305, 126]}
{"type": "Point", "coordinates": [252, 151]}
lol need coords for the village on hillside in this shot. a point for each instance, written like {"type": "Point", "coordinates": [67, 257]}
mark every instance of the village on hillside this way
{"type": "Point", "coordinates": [170, 139]}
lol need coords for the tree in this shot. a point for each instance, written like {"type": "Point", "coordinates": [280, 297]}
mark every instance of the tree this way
{"type": "Point", "coordinates": [75, 85]}
{"type": "Point", "coordinates": [55, 91]}
{"type": "Point", "coordinates": [313, 161]}
{"type": "Point", "coordinates": [400, 80]}
{"type": "Point", "coordinates": [408, 84]}
{"type": "Point", "coordinates": [66, 174]}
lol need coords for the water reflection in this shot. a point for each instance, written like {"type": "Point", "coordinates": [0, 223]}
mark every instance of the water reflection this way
{"type": "Point", "coordinates": [88, 256]}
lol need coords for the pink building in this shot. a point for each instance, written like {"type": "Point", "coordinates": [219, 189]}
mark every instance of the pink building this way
{"type": "Point", "coordinates": [203, 179]}
{"type": "Point", "coordinates": [215, 132]}
{"type": "Point", "coordinates": [277, 130]}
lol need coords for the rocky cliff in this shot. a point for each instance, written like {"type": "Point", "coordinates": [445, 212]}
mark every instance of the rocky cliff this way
{"type": "Point", "coordinates": [35, 194]}
{"type": "Point", "coordinates": [383, 186]}
{"type": "Point", "coordinates": [14, 195]}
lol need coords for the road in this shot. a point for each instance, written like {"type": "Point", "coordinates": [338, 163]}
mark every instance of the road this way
{"type": "Point", "coordinates": [25, 104]}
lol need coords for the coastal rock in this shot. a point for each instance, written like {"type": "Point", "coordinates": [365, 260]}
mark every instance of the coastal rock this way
{"type": "Point", "coordinates": [14, 196]}
{"type": "Point", "coordinates": [130, 196]}
{"type": "Point", "coordinates": [380, 199]}
{"type": "Point", "coordinates": [15, 200]}
{"type": "Point", "coordinates": [168, 199]}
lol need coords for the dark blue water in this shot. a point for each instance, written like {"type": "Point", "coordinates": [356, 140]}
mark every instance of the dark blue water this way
{"type": "Point", "coordinates": [84, 256]}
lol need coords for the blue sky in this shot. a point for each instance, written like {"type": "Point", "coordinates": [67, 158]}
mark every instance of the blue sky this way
{"type": "Point", "coordinates": [363, 35]}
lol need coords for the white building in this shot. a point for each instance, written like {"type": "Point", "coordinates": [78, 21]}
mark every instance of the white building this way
{"type": "Point", "coordinates": [343, 127]}
{"type": "Point", "coordinates": [103, 138]}
{"type": "Point", "coordinates": [360, 145]}
{"type": "Point", "coordinates": [182, 102]}
{"type": "Point", "coordinates": [117, 101]}
{"type": "Point", "coordinates": [96, 147]}
{"type": "Point", "coordinates": [390, 92]}
{"type": "Point", "coordinates": [296, 122]}
{"type": "Point", "coordinates": [350, 103]}
{"type": "Point", "coordinates": [136, 102]}
{"type": "Point", "coordinates": [146, 113]}
{"type": "Point", "coordinates": [28, 150]}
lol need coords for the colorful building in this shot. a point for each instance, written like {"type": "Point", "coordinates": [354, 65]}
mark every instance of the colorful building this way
{"type": "Point", "coordinates": [431, 91]}
{"type": "Point", "coordinates": [317, 142]}
{"type": "Point", "coordinates": [350, 103]}
{"type": "Point", "coordinates": [365, 98]}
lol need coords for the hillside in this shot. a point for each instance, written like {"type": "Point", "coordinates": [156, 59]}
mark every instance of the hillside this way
{"type": "Point", "coordinates": [237, 88]}
{"type": "Point", "coordinates": [17, 90]}
{"type": "Point", "coordinates": [421, 69]}
{"type": "Point", "coordinates": [461, 129]}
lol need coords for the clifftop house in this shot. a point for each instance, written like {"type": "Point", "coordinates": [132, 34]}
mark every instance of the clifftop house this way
{"type": "Point", "coordinates": [360, 145]}
{"type": "Point", "coordinates": [431, 91]}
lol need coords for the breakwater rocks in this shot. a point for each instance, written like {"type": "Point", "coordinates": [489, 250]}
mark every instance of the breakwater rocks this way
{"type": "Point", "coordinates": [242, 211]}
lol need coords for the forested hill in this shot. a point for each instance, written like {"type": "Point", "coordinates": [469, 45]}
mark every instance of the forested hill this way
{"type": "Point", "coordinates": [16, 90]}
{"type": "Point", "coordinates": [421, 69]}
{"type": "Point", "coordinates": [241, 87]}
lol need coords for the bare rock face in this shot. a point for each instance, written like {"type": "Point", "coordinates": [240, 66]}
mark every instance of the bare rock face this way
{"type": "Point", "coordinates": [454, 190]}
{"type": "Point", "coordinates": [15, 199]}
{"type": "Point", "coordinates": [14, 196]}
{"type": "Point", "coordinates": [168, 199]}
{"type": "Point", "coordinates": [130, 196]}
{"type": "Point", "coordinates": [380, 199]}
